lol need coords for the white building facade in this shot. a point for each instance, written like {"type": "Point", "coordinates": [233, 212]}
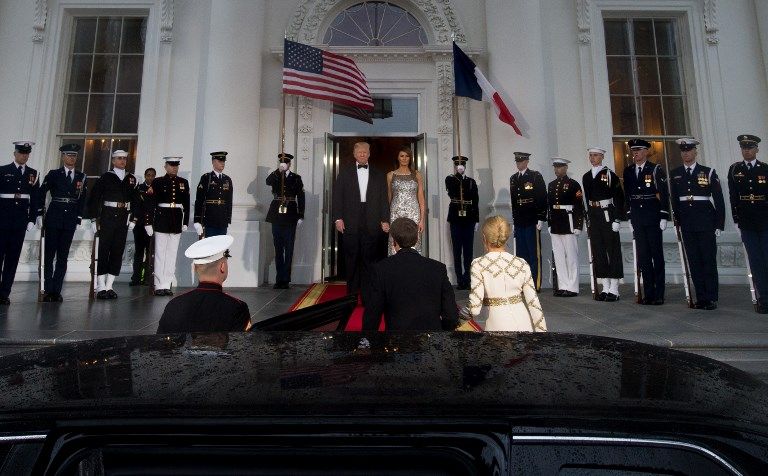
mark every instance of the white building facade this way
{"type": "Point", "coordinates": [188, 77]}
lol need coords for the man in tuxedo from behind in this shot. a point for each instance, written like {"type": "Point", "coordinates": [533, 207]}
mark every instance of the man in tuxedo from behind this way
{"type": "Point", "coordinates": [361, 213]}
{"type": "Point", "coordinates": [412, 291]}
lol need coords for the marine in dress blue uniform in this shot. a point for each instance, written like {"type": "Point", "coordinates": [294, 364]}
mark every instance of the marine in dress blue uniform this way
{"type": "Point", "coordinates": [748, 191]}
{"type": "Point", "coordinates": [699, 210]}
{"type": "Point", "coordinates": [19, 207]}
{"type": "Point", "coordinates": [286, 212]}
{"type": "Point", "coordinates": [213, 201]}
{"type": "Point", "coordinates": [463, 218]}
{"type": "Point", "coordinates": [140, 238]}
{"type": "Point", "coordinates": [528, 194]}
{"type": "Point", "coordinates": [62, 217]}
{"type": "Point", "coordinates": [647, 197]}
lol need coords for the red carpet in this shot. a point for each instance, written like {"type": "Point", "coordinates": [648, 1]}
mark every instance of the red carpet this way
{"type": "Point", "coordinates": [322, 292]}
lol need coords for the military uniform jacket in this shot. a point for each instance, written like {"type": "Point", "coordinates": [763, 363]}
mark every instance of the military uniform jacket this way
{"type": "Point", "coordinates": [647, 196]}
{"type": "Point", "coordinates": [141, 199]}
{"type": "Point", "coordinates": [565, 206]}
{"type": "Point", "coordinates": [109, 188]}
{"type": "Point", "coordinates": [17, 211]}
{"type": "Point", "coordinates": [67, 198]}
{"type": "Point", "coordinates": [461, 187]}
{"type": "Point", "coordinates": [604, 196]}
{"type": "Point", "coordinates": [528, 194]}
{"type": "Point", "coordinates": [748, 191]}
{"type": "Point", "coordinates": [693, 196]}
{"type": "Point", "coordinates": [167, 204]}
{"type": "Point", "coordinates": [213, 201]}
{"type": "Point", "coordinates": [287, 190]}
{"type": "Point", "coordinates": [204, 309]}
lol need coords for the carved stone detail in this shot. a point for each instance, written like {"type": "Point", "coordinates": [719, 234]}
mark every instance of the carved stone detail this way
{"type": "Point", "coordinates": [711, 27]}
{"type": "Point", "coordinates": [41, 16]}
{"type": "Point", "coordinates": [166, 21]}
{"type": "Point", "coordinates": [445, 97]}
{"type": "Point", "coordinates": [583, 22]}
{"type": "Point", "coordinates": [305, 128]}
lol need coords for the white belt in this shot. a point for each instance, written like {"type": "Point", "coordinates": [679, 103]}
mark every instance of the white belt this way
{"type": "Point", "coordinates": [15, 195]}
{"type": "Point", "coordinates": [691, 198]}
{"type": "Point", "coordinates": [125, 205]}
{"type": "Point", "coordinates": [563, 207]}
{"type": "Point", "coordinates": [169, 205]}
{"type": "Point", "coordinates": [601, 203]}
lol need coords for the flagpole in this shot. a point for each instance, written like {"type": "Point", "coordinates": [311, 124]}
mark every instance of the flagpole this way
{"type": "Point", "coordinates": [282, 126]}
{"type": "Point", "coordinates": [456, 128]}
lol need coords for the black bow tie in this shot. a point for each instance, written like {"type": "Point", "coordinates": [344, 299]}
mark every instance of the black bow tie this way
{"type": "Point", "coordinates": [360, 166]}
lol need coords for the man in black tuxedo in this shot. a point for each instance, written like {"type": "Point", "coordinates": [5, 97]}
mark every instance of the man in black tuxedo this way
{"type": "Point", "coordinates": [361, 213]}
{"type": "Point", "coordinates": [412, 291]}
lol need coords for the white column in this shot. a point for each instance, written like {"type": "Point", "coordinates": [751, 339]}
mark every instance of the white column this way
{"type": "Point", "coordinates": [761, 10]}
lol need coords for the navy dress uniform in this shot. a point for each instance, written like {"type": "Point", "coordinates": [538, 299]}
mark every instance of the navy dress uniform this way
{"type": "Point", "coordinates": [111, 205]}
{"type": "Point", "coordinates": [19, 208]}
{"type": "Point", "coordinates": [140, 238]}
{"type": "Point", "coordinates": [286, 211]}
{"type": "Point", "coordinates": [604, 198]}
{"type": "Point", "coordinates": [62, 217]}
{"type": "Point", "coordinates": [213, 201]}
{"type": "Point", "coordinates": [528, 194]}
{"type": "Point", "coordinates": [565, 214]}
{"type": "Point", "coordinates": [207, 308]}
{"type": "Point", "coordinates": [647, 197]}
{"type": "Point", "coordinates": [699, 210]}
{"type": "Point", "coordinates": [463, 218]}
{"type": "Point", "coordinates": [167, 217]}
{"type": "Point", "coordinates": [748, 191]}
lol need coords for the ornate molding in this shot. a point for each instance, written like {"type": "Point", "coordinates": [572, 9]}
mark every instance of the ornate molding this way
{"type": "Point", "coordinates": [166, 21]}
{"type": "Point", "coordinates": [304, 142]}
{"type": "Point", "coordinates": [41, 16]}
{"type": "Point", "coordinates": [583, 22]}
{"type": "Point", "coordinates": [426, 54]}
{"type": "Point", "coordinates": [711, 27]}
{"type": "Point", "coordinates": [444, 70]}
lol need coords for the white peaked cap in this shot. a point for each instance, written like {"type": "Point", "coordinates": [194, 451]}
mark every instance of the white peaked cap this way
{"type": "Point", "coordinates": [596, 150]}
{"type": "Point", "coordinates": [210, 249]}
{"type": "Point", "coordinates": [119, 153]}
{"type": "Point", "coordinates": [560, 161]}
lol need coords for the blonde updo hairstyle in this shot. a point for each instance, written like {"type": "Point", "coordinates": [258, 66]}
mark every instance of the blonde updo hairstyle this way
{"type": "Point", "coordinates": [496, 231]}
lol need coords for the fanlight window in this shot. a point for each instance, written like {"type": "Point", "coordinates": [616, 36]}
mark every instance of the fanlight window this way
{"type": "Point", "coordinates": [375, 24]}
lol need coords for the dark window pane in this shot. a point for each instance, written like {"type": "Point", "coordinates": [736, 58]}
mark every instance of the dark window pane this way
{"type": "Point", "coordinates": [104, 74]}
{"type": "Point", "coordinates": [674, 116]}
{"type": "Point", "coordinates": [75, 107]}
{"type": "Point", "coordinates": [621, 156]}
{"type": "Point", "coordinates": [620, 76]}
{"type": "Point", "coordinates": [80, 73]}
{"type": "Point", "coordinates": [108, 35]}
{"type": "Point", "coordinates": [134, 35]}
{"type": "Point", "coordinates": [672, 151]}
{"type": "Point", "coordinates": [131, 68]}
{"type": "Point", "coordinates": [647, 76]}
{"type": "Point", "coordinates": [97, 156]}
{"type": "Point", "coordinates": [643, 37]}
{"type": "Point", "coordinates": [669, 73]}
{"type": "Point", "coordinates": [657, 152]}
{"type": "Point", "coordinates": [100, 113]}
{"type": "Point", "coordinates": [665, 37]}
{"type": "Point", "coordinates": [126, 114]}
{"type": "Point", "coordinates": [85, 31]}
{"type": "Point", "coordinates": [624, 115]}
{"type": "Point", "coordinates": [652, 117]}
{"type": "Point", "coordinates": [616, 37]}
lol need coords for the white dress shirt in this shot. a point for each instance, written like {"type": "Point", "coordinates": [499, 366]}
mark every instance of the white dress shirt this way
{"type": "Point", "coordinates": [597, 169]}
{"type": "Point", "coordinates": [120, 173]}
{"type": "Point", "coordinates": [362, 181]}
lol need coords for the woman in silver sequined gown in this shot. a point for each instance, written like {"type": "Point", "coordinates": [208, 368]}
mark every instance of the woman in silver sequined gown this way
{"type": "Point", "coordinates": [406, 194]}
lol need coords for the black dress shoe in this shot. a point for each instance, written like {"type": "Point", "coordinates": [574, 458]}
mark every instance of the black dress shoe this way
{"type": "Point", "coordinates": [601, 297]}
{"type": "Point", "coordinates": [276, 286]}
{"type": "Point", "coordinates": [134, 283]}
{"type": "Point", "coordinates": [168, 292]}
{"type": "Point", "coordinates": [5, 301]}
{"type": "Point", "coordinates": [711, 306]}
{"type": "Point", "coordinates": [159, 292]}
{"type": "Point", "coordinates": [558, 293]}
{"type": "Point", "coordinates": [658, 302]}
{"type": "Point", "coordinates": [111, 294]}
{"type": "Point", "coordinates": [47, 297]}
{"type": "Point", "coordinates": [610, 297]}
{"type": "Point", "coordinates": [569, 294]}
{"type": "Point", "coordinates": [59, 297]}
{"type": "Point", "coordinates": [102, 295]}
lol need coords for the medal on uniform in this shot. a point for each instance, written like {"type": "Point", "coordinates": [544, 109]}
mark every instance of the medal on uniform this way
{"type": "Point", "coordinates": [225, 186]}
{"type": "Point", "coordinates": [32, 179]}
{"type": "Point", "coordinates": [78, 185]}
{"type": "Point", "coordinates": [648, 179]}
{"type": "Point", "coordinates": [181, 186]}
{"type": "Point", "coordinates": [761, 179]}
{"type": "Point", "coordinates": [462, 213]}
{"type": "Point", "coordinates": [282, 209]}
{"type": "Point", "coordinates": [528, 186]}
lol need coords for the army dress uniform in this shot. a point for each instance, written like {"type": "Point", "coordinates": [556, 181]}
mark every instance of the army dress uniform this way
{"type": "Point", "coordinates": [213, 200]}
{"type": "Point", "coordinates": [748, 191]}
{"type": "Point", "coordinates": [528, 195]}
{"type": "Point", "coordinates": [140, 238]}
{"type": "Point", "coordinates": [285, 211]}
{"type": "Point", "coordinates": [19, 208]}
{"type": "Point", "coordinates": [463, 215]}
{"type": "Point", "coordinates": [565, 214]}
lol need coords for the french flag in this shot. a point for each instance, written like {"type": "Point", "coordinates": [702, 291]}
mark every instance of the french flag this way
{"type": "Point", "coordinates": [470, 82]}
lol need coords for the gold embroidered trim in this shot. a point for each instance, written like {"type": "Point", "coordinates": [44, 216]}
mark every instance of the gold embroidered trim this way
{"type": "Point", "coordinates": [502, 301]}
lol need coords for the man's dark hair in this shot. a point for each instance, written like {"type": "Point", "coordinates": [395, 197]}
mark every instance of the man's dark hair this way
{"type": "Point", "coordinates": [404, 232]}
{"type": "Point", "coordinates": [152, 169]}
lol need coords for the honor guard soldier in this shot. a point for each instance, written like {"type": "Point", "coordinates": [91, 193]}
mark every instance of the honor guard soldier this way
{"type": "Point", "coordinates": [19, 208]}
{"type": "Point", "coordinates": [110, 208]}
{"type": "Point", "coordinates": [528, 194]}
{"type": "Point", "coordinates": [213, 202]}
{"type": "Point", "coordinates": [748, 190]}
{"type": "Point", "coordinates": [286, 212]}
{"type": "Point", "coordinates": [207, 308]}
{"type": "Point", "coordinates": [565, 205]}
{"type": "Point", "coordinates": [605, 209]}
{"type": "Point", "coordinates": [694, 189]}
{"type": "Point", "coordinates": [140, 237]}
{"type": "Point", "coordinates": [647, 196]}
{"type": "Point", "coordinates": [463, 217]}
{"type": "Point", "coordinates": [167, 218]}
{"type": "Point", "coordinates": [63, 215]}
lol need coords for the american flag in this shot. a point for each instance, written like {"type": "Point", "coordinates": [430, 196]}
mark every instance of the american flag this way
{"type": "Point", "coordinates": [318, 74]}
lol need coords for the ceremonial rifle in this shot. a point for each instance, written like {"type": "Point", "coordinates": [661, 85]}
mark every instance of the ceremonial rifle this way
{"type": "Point", "coordinates": [680, 245]}
{"type": "Point", "coordinates": [94, 263]}
{"type": "Point", "coordinates": [592, 279]}
{"type": "Point", "coordinates": [749, 278]}
{"type": "Point", "coordinates": [202, 215]}
{"type": "Point", "coordinates": [637, 273]}
{"type": "Point", "coordinates": [41, 257]}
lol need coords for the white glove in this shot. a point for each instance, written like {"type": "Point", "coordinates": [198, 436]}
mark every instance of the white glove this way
{"type": "Point", "coordinates": [477, 226]}
{"type": "Point", "coordinates": [631, 228]}
{"type": "Point", "coordinates": [615, 226]}
{"type": "Point", "coordinates": [283, 166]}
{"type": "Point", "coordinates": [577, 232]}
{"type": "Point", "coordinates": [149, 230]}
{"type": "Point", "coordinates": [549, 229]}
{"type": "Point", "coordinates": [131, 226]}
{"type": "Point", "coordinates": [540, 225]}
{"type": "Point", "coordinates": [30, 225]}
{"type": "Point", "coordinates": [663, 224]}
{"type": "Point", "coordinates": [184, 228]}
{"type": "Point", "coordinates": [39, 223]}
{"type": "Point", "coordinates": [198, 228]}
{"type": "Point", "coordinates": [299, 222]}
{"type": "Point", "coordinates": [717, 232]}
{"type": "Point", "coordinates": [81, 225]}
{"type": "Point", "coordinates": [94, 228]}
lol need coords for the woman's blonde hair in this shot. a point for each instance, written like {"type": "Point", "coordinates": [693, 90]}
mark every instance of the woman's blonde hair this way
{"type": "Point", "coordinates": [496, 230]}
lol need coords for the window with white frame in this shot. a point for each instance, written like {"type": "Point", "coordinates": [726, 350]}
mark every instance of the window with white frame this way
{"type": "Point", "coordinates": [647, 87]}
{"type": "Point", "coordinates": [375, 24]}
{"type": "Point", "coordinates": [103, 89]}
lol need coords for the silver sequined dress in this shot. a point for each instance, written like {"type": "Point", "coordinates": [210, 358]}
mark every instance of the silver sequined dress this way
{"type": "Point", "coordinates": [405, 202]}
